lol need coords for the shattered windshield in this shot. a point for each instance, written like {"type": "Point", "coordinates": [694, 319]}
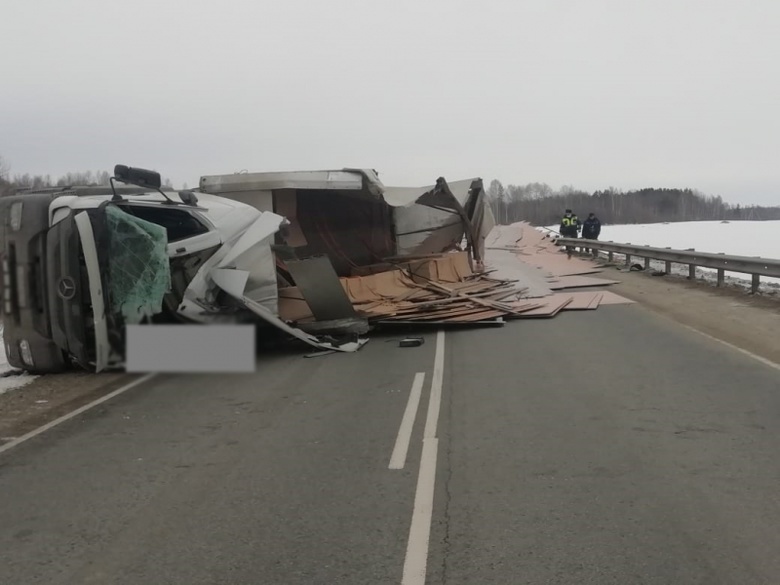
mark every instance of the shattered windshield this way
{"type": "Point", "coordinates": [139, 269]}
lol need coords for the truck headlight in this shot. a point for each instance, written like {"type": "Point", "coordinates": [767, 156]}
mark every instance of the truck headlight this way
{"type": "Point", "coordinates": [24, 348]}
{"type": "Point", "coordinates": [16, 216]}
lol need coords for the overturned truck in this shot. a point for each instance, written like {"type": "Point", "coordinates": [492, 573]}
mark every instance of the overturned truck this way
{"type": "Point", "coordinates": [319, 255]}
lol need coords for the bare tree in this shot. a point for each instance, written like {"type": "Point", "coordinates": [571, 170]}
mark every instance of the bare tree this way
{"type": "Point", "coordinates": [5, 185]}
{"type": "Point", "coordinates": [497, 197]}
{"type": "Point", "coordinates": [28, 181]}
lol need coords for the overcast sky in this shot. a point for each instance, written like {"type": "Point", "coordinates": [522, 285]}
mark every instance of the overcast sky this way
{"type": "Point", "coordinates": [588, 93]}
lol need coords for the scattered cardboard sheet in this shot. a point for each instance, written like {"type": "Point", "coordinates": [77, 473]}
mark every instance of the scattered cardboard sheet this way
{"type": "Point", "coordinates": [581, 300]}
{"type": "Point", "coordinates": [610, 298]}
{"type": "Point", "coordinates": [529, 257]}
{"type": "Point", "coordinates": [440, 288]}
{"type": "Point", "coordinates": [551, 306]}
{"type": "Point", "coordinates": [596, 302]}
{"type": "Point", "coordinates": [526, 276]}
{"type": "Point", "coordinates": [579, 281]}
{"type": "Point", "coordinates": [506, 265]}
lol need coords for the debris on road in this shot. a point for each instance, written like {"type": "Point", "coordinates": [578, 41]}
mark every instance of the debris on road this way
{"type": "Point", "coordinates": [522, 253]}
{"type": "Point", "coordinates": [440, 289]}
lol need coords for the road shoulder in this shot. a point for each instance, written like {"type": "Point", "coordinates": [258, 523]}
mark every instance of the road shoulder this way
{"type": "Point", "coordinates": [750, 322]}
{"type": "Point", "coordinates": [49, 397]}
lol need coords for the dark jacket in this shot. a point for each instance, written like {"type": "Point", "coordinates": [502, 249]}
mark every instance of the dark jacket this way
{"type": "Point", "coordinates": [591, 228]}
{"type": "Point", "coordinates": [570, 226]}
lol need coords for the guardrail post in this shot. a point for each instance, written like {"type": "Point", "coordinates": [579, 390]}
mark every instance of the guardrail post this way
{"type": "Point", "coordinates": [691, 267]}
{"type": "Point", "coordinates": [721, 272]}
{"type": "Point", "coordinates": [756, 282]}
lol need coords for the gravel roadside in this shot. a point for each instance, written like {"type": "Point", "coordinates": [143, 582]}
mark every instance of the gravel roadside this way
{"type": "Point", "coordinates": [728, 313]}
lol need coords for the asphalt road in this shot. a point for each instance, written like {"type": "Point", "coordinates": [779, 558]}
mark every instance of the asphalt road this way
{"type": "Point", "coordinates": [598, 447]}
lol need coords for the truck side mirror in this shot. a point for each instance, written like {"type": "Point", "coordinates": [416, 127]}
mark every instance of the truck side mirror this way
{"type": "Point", "coordinates": [188, 197]}
{"type": "Point", "coordinates": [139, 177]}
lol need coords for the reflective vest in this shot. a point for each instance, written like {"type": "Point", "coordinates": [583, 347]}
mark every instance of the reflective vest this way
{"type": "Point", "coordinates": [567, 221]}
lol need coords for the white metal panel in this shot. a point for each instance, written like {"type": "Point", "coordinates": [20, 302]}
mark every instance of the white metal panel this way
{"type": "Point", "coordinates": [102, 349]}
{"type": "Point", "coordinates": [460, 189]}
{"type": "Point", "coordinates": [194, 244]}
{"type": "Point", "coordinates": [261, 200]}
{"type": "Point", "coordinates": [425, 230]}
{"type": "Point", "coordinates": [402, 196]}
{"type": "Point", "coordinates": [252, 253]}
{"type": "Point", "coordinates": [263, 227]}
{"type": "Point", "coordinates": [337, 180]}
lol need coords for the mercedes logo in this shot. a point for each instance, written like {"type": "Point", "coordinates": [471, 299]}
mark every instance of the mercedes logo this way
{"type": "Point", "coordinates": [66, 288]}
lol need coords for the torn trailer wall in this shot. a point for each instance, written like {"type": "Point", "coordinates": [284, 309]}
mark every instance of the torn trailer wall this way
{"type": "Point", "coordinates": [462, 200]}
{"type": "Point", "coordinates": [356, 221]}
{"type": "Point", "coordinates": [245, 270]}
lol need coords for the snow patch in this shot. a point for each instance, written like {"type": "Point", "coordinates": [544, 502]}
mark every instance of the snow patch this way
{"type": "Point", "coordinates": [9, 378]}
{"type": "Point", "coordinates": [736, 238]}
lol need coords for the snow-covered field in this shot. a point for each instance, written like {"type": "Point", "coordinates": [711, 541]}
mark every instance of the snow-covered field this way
{"type": "Point", "coordinates": [739, 238]}
{"type": "Point", "coordinates": [10, 382]}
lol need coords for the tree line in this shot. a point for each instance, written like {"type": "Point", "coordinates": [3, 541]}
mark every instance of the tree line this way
{"type": "Point", "coordinates": [11, 184]}
{"type": "Point", "coordinates": [539, 204]}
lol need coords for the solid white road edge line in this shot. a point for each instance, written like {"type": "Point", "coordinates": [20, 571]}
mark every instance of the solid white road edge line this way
{"type": "Point", "coordinates": [416, 562]}
{"type": "Point", "coordinates": [758, 358]}
{"type": "Point", "coordinates": [398, 458]}
{"type": "Point", "coordinates": [75, 413]}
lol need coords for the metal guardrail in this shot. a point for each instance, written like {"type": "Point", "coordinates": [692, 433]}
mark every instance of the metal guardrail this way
{"type": "Point", "coordinates": [755, 266]}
